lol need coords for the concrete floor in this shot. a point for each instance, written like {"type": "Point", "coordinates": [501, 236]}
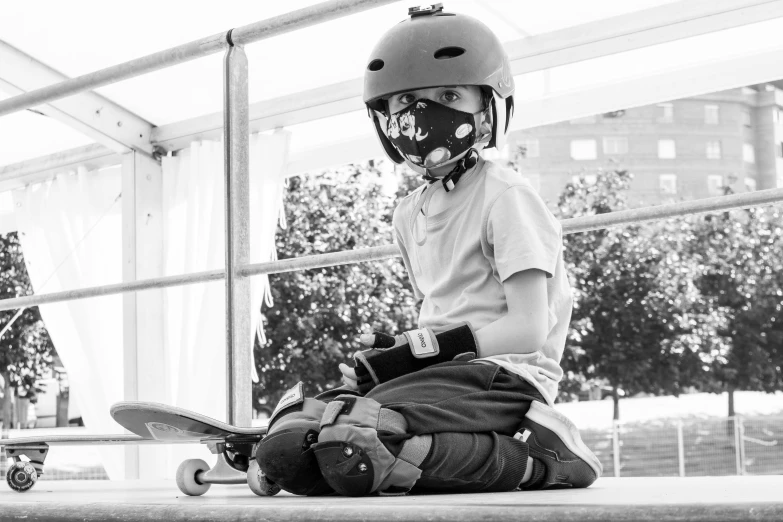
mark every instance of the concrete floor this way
{"type": "Point", "coordinates": [658, 499]}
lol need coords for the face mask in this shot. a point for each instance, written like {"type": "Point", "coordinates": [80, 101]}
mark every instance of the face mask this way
{"type": "Point", "coordinates": [429, 134]}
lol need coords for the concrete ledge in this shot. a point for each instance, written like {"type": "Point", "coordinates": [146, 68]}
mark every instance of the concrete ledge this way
{"type": "Point", "coordinates": [657, 499]}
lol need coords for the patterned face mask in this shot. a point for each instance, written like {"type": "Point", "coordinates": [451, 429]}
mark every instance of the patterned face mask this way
{"type": "Point", "coordinates": [429, 134]}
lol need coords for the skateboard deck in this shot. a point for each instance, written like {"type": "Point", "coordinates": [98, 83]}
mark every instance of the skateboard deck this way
{"type": "Point", "coordinates": [170, 424]}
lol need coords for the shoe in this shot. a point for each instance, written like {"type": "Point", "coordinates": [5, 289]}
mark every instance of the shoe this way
{"type": "Point", "coordinates": [554, 440]}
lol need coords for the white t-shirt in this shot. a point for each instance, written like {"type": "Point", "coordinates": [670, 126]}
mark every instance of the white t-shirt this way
{"type": "Point", "coordinates": [495, 225]}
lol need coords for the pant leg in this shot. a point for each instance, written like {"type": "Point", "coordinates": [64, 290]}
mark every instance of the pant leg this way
{"type": "Point", "coordinates": [471, 410]}
{"type": "Point", "coordinates": [472, 463]}
{"type": "Point", "coordinates": [458, 397]}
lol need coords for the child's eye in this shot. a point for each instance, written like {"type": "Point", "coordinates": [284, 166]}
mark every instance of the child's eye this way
{"type": "Point", "coordinates": [406, 99]}
{"type": "Point", "coordinates": [450, 96]}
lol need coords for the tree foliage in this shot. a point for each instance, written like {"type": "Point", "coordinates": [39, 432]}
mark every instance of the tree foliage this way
{"type": "Point", "coordinates": [637, 321]}
{"type": "Point", "coordinates": [318, 314]}
{"type": "Point", "coordinates": [26, 351]}
{"type": "Point", "coordinates": [740, 259]}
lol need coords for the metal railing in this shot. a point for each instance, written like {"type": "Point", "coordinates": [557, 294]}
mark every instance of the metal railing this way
{"type": "Point", "coordinates": [361, 255]}
{"type": "Point", "coordinates": [239, 36]}
{"type": "Point", "coordinates": [236, 125]}
{"type": "Point", "coordinates": [736, 445]}
{"type": "Point", "coordinates": [660, 448]}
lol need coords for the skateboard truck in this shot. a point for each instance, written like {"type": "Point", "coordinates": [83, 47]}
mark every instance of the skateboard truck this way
{"type": "Point", "coordinates": [22, 475]}
{"type": "Point", "coordinates": [231, 466]}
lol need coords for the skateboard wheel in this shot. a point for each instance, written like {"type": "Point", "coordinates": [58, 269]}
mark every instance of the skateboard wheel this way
{"type": "Point", "coordinates": [259, 484]}
{"type": "Point", "coordinates": [187, 480]}
{"type": "Point", "coordinates": [21, 476]}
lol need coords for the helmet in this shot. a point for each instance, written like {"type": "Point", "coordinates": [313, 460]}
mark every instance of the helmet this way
{"type": "Point", "coordinates": [433, 49]}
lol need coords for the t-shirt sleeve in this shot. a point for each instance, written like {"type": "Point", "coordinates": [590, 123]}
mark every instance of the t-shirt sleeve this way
{"type": "Point", "coordinates": [523, 233]}
{"type": "Point", "coordinates": [398, 221]}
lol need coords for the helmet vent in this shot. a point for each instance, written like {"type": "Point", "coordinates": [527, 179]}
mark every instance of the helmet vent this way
{"type": "Point", "coordinates": [448, 52]}
{"type": "Point", "coordinates": [376, 65]}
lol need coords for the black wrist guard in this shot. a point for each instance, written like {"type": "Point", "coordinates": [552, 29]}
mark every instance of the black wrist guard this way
{"type": "Point", "coordinates": [424, 347]}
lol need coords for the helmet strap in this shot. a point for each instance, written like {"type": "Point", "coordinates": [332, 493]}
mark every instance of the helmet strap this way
{"type": "Point", "coordinates": [449, 181]}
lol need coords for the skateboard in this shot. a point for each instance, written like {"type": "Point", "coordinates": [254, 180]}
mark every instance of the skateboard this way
{"type": "Point", "coordinates": [234, 446]}
{"type": "Point", "coordinates": [23, 474]}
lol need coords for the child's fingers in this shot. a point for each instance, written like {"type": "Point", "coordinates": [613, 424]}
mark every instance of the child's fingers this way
{"type": "Point", "coordinates": [348, 372]}
{"type": "Point", "coordinates": [377, 340]}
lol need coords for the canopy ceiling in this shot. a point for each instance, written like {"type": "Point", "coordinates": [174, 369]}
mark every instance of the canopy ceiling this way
{"type": "Point", "coordinates": [82, 36]}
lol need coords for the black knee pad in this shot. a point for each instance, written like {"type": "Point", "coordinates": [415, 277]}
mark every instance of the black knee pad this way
{"type": "Point", "coordinates": [285, 454]}
{"type": "Point", "coordinates": [352, 456]}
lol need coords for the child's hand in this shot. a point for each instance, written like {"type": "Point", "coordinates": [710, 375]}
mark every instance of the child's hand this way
{"type": "Point", "coordinates": [349, 376]}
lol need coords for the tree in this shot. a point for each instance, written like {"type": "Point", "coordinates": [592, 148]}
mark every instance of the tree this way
{"type": "Point", "coordinates": [318, 314]}
{"type": "Point", "coordinates": [740, 254]}
{"type": "Point", "coordinates": [26, 350]}
{"type": "Point", "coordinates": [636, 319]}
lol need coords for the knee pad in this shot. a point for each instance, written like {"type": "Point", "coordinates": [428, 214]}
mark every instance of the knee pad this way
{"type": "Point", "coordinates": [285, 454]}
{"type": "Point", "coordinates": [353, 459]}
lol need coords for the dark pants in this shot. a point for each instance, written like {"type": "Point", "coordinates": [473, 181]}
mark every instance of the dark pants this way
{"type": "Point", "coordinates": [472, 410]}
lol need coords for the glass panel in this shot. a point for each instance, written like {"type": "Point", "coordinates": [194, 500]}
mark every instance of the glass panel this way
{"type": "Point", "coordinates": [668, 183]}
{"type": "Point", "coordinates": [667, 149]}
{"type": "Point", "coordinates": [583, 149]}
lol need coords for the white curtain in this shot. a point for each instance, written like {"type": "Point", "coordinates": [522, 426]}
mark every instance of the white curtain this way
{"type": "Point", "coordinates": [55, 219]}
{"type": "Point", "coordinates": [70, 230]}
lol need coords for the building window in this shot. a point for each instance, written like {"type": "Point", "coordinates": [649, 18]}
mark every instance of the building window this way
{"type": "Point", "coordinates": [667, 149]}
{"type": "Point", "coordinates": [667, 183]}
{"type": "Point", "coordinates": [586, 119]}
{"type": "Point", "coordinates": [775, 115]}
{"type": "Point", "coordinates": [713, 150]}
{"type": "Point", "coordinates": [711, 114]}
{"type": "Point", "coordinates": [666, 112]}
{"type": "Point", "coordinates": [534, 178]}
{"type": "Point", "coordinates": [746, 118]}
{"type": "Point", "coordinates": [528, 148]}
{"type": "Point", "coordinates": [616, 145]}
{"type": "Point", "coordinates": [780, 149]}
{"type": "Point", "coordinates": [715, 185]}
{"type": "Point", "coordinates": [583, 150]}
{"type": "Point", "coordinates": [590, 179]}
{"type": "Point", "coordinates": [750, 184]}
{"type": "Point", "coordinates": [748, 153]}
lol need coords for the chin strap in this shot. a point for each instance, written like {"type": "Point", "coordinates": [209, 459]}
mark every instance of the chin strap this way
{"type": "Point", "coordinates": [467, 162]}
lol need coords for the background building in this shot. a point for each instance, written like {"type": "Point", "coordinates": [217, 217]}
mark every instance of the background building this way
{"type": "Point", "coordinates": [684, 149]}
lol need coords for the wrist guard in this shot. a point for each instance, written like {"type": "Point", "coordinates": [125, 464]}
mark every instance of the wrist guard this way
{"type": "Point", "coordinates": [412, 351]}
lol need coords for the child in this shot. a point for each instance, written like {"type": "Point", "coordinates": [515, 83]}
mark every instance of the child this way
{"type": "Point", "coordinates": [463, 403]}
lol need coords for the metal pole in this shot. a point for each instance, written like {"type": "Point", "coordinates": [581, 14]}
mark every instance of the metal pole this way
{"type": "Point", "coordinates": [680, 448]}
{"type": "Point", "coordinates": [741, 433]}
{"type": "Point", "coordinates": [737, 455]}
{"type": "Point", "coordinates": [237, 212]}
{"type": "Point", "coordinates": [570, 226]}
{"type": "Point", "coordinates": [254, 32]}
{"type": "Point", "coordinates": [616, 447]}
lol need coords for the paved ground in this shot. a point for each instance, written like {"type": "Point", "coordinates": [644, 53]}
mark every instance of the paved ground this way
{"type": "Point", "coordinates": [658, 499]}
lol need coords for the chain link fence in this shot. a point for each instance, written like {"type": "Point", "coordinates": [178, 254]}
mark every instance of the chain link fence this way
{"type": "Point", "coordinates": [690, 448]}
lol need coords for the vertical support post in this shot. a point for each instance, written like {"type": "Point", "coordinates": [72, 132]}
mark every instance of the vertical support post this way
{"type": "Point", "coordinates": [737, 454]}
{"type": "Point", "coordinates": [237, 202]}
{"type": "Point", "coordinates": [616, 447]}
{"type": "Point", "coordinates": [680, 448]}
{"type": "Point", "coordinates": [741, 448]}
{"type": "Point", "coordinates": [130, 361]}
{"type": "Point", "coordinates": [144, 361]}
